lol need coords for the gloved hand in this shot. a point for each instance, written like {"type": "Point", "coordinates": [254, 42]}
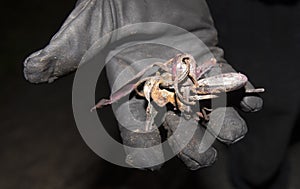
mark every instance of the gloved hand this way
{"type": "Point", "coordinates": [225, 124]}
{"type": "Point", "coordinates": [92, 19]}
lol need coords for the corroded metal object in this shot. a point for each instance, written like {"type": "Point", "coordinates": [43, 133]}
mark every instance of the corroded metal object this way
{"type": "Point", "coordinates": [180, 82]}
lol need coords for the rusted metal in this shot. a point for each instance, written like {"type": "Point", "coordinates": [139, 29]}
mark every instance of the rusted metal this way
{"type": "Point", "coordinates": [179, 82]}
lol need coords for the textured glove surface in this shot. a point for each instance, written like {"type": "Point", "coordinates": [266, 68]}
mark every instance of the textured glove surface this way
{"type": "Point", "coordinates": [92, 19]}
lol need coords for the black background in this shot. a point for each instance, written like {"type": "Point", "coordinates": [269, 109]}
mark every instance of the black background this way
{"type": "Point", "coordinates": [40, 144]}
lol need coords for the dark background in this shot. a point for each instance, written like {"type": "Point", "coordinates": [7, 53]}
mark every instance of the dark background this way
{"type": "Point", "coordinates": [40, 144]}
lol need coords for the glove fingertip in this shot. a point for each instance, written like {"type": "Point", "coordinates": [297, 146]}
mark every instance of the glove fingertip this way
{"type": "Point", "coordinates": [251, 104]}
{"type": "Point", "coordinates": [202, 160]}
{"type": "Point", "coordinates": [227, 125]}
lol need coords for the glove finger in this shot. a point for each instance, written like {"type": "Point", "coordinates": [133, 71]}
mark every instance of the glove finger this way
{"type": "Point", "coordinates": [143, 149]}
{"type": "Point", "coordinates": [197, 153]}
{"type": "Point", "coordinates": [65, 50]}
{"type": "Point", "coordinates": [38, 68]}
{"type": "Point", "coordinates": [227, 125]}
{"type": "Point", "coordinates": [251, 103]}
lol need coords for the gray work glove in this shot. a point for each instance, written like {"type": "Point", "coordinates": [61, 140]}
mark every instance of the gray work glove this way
{"type": "Point", "coordinates": [92, 19]}
{"type": "Point", "coordinates": [225, 124]}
